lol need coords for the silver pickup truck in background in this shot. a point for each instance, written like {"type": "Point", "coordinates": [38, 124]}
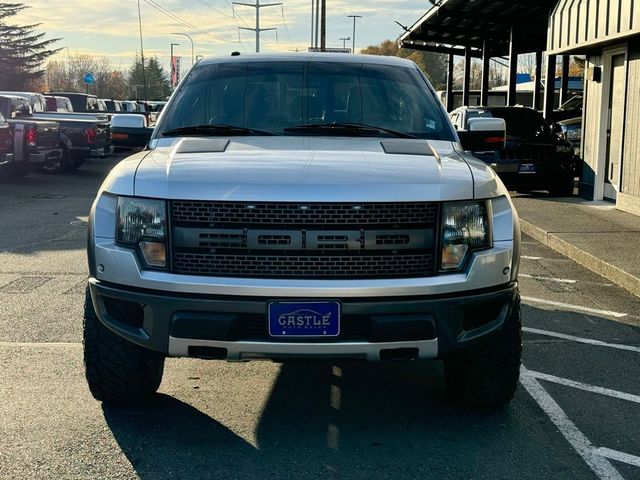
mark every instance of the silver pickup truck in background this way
{"type": "Point", "coordinates": [307, 206]}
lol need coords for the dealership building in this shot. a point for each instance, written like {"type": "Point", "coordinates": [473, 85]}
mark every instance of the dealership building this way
{"type": "Point", "coordinates": [605, 32]}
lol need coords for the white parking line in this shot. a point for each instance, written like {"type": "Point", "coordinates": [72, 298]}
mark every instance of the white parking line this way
{"type": "Point", "coordinates": [576, 308]}
{"type": "Point", "coordinates": [581, 444]}
{"type": "Point", "coordinates": [564, 280]}
{"type": "Point", "coordinates": [589, 341]}
{"type": "Point", "coordinates": [548, 259]}
{"type": "Point", "coordinates": [619, 456]}
{"type": "Point", "coordinates": [586, 387]}
{"type": "Point", "coordinates": [548, 279]}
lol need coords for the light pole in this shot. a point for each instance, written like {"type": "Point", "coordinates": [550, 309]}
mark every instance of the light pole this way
{"type": "Point", "coordinates": [174, 73]}
{"type": "Point", "coordinates": [190, 39]}
{"type": "Point", "coordinates": [344, 41]}
{"type": "Point", "coordinates": [355, 17]}
{"type": "Point", "coordinates": [144, 78]}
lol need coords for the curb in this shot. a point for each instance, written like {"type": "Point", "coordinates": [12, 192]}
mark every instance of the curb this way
{"type": "Point", "coordinates": [595, 264]}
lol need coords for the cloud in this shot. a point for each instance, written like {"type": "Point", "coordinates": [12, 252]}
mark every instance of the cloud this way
{"type": "Point", "coordinates": [110, 28]}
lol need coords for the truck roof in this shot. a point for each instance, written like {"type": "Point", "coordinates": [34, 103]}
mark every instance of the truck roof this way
{"type": "Point", "coordinates": [310, 57]}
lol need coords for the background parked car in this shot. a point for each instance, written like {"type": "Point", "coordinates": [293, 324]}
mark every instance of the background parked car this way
{"type": "Point", "coordinates": [36, 142]}
{"type": "Point", "coordinates": [58, 104]}
{"type": "Point", "coordinates": [37, 101]}
{"type": "Point", "coordinates": [6, 143]}
{"type": "Point", "coordinates": [572, 108]}
{"type": "Point", "coordinates": [113, 106]}
{"type": "Point", "coordinates": [82, 135]}
{"type": "Point", "coordinates": [535, 158]}
{"type": "Point", "coordinates": [81, 102]}
{"type": "Point", "coordinates": [571, 130]}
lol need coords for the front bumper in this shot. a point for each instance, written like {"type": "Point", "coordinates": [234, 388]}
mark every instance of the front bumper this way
{"type": "Point", "coordinates": [235, 328]}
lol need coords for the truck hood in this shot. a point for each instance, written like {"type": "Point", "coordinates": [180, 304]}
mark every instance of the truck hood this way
{"type": "Point", "coordinates": [304, 169]}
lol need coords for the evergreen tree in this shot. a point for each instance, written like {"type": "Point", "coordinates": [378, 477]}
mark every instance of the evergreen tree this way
{"type": "Point", "coordinates": [157, 80]}
{"type": "Point", "coordinates": [22, 51]}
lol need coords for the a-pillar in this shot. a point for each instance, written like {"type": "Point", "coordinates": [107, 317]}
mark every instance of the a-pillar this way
{"type": "Point", "coordinates": [550, 86]}
{"type": "Point", "coordinates": [486, 65]}
{"type": "Point", "coordinates": [513, 69]}
{"type": "Point", "coordinates": [467, 76]}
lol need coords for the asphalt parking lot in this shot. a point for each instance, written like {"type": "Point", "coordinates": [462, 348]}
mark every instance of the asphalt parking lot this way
{"type": "Point", "coordinates": [576, 414]}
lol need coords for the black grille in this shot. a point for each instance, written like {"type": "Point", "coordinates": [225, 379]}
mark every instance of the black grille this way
{"type": "Point", "coordinates": [288, 214]}
{"type": "Point", "coordinates": [310, 240]}
{"type": "Point", "coordinates": [303, 266]}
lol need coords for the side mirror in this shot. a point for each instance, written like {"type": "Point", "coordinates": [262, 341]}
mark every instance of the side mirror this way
{"type": "Point", "coordinates": [484, 135]}
{"type": "Point", "coordinates": [130, 131]}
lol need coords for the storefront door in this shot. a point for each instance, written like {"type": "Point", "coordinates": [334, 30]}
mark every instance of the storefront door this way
{"type": "Point", "coordinates": [615, 128]}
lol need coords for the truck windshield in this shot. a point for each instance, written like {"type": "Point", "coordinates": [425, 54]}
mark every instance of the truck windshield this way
{"type": "Point", "coordinates": [276, 96]}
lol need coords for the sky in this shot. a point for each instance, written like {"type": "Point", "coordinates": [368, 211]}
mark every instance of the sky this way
{"type": "Point", "coordinates": [110, 28]}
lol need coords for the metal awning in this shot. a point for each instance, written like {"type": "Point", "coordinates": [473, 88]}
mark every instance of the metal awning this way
{"type": "Point", "coordinates": [452, 25]}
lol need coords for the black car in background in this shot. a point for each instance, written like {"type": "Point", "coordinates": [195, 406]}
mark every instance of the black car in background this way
{"type": "Point", "coordinates": [535, 158]}
{"type": "Point", "coordinates": [572, 108]}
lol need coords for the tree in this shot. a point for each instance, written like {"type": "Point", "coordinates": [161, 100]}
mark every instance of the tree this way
{"type": "Point", "coordinates": [434, 65]}
{"type": "Point", "coordinates": [67, 76]}
{"type": "Point", "coordinates": [22, 51]}
{"type": "Point", "coordinates": [158, 86]}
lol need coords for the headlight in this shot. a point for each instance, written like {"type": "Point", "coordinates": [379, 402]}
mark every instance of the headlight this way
{"type": "Point", "coordinates": [142, 224]}
{"type": "Point", "coordinates": [465, 227]}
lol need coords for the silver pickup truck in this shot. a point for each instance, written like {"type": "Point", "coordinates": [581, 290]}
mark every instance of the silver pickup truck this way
{"type": "Point", "coordinates": [307, 206]}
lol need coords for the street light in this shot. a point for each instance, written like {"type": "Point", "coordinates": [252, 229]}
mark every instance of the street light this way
{"type": "Point", "coordinates": [344, 41]}
{"type": "Point", "coordinates": [355, 17]}
{"type": "Point", "coordinates": [190, 39]}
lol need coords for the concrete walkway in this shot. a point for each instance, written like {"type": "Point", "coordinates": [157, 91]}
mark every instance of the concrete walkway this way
{"type": "Point", "coordinates": [594, 234]}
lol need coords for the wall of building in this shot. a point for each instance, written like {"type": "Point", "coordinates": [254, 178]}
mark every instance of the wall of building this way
{"type": "Point", "coordinates": [590, 129]}
{"type": "Point", "coordinates": [630, 185]}
{"type": "Point", "coordinates": [594, 123]}
{"type": "Point", "coordinates": [586, 23]}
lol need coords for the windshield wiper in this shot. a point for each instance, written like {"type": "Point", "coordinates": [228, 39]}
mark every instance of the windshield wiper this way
{"type": "Point", "coordinates": [343, 128]}
{"type": "Point", "coordinates": [215, 129]}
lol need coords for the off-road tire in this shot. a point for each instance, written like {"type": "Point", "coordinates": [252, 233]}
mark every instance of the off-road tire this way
{"type": "Point", "coordinates": [118, 371]}
{"type": "Point", "coordinates": [486, 375]}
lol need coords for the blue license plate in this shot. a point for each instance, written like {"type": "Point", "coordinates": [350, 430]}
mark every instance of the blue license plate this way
{"type": "Point", "coordinates": [527, 168]}
{"type": "Point", "coordinates": [304, 319]}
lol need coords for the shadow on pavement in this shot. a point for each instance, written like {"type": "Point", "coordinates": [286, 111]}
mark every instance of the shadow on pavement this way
{"type": "Point", "coordinates": [327, 420]}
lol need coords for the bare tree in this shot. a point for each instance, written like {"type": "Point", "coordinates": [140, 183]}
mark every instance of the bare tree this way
{"type": "Point", "coordinates": [67, 76]}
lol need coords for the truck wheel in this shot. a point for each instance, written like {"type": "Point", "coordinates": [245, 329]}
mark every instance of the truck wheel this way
{"type": "Point", "coordinates": [486, 375]}
{"type": "Point", "coordinates": [118, 371]}
{"type": "Point", "coordinates": [57, 165]}
{"type": "Point", "coordinates": [75, 162]}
